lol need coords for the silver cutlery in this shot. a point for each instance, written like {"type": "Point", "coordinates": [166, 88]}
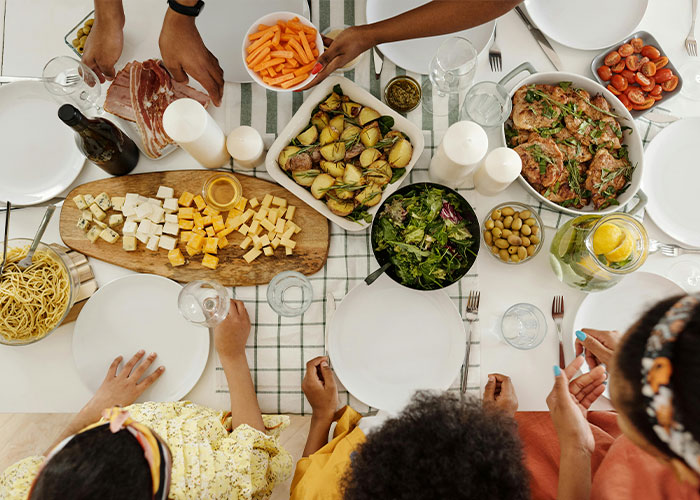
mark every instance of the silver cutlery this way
{"type": "Point", "coordinates": [4, 243]}
{"type": "Point", "coordinates": [691, 46]}
{"type": "Point", "coordinates": [65, 81]}
{"type": "Point", "coordinates": [495, 54]}
{"type": "Point", "coordinates": [670, 250]}
{"type": "Point", "coordinates": [654, 246]}
{"type": "Point", "coordinates": [659, 116]}
{"type": "Point", "coordinates": [471, 316]}
{"type": "Point", "coordinates": [27, 261]}
{"type": "Point", "coordinates": [378, 58]}
{"type": "Point", "coordinates": [558, 317]}
{"type": "Point", "coordinates": [541, 40]}
{"type": "Point", "coordinates": [330, 310]}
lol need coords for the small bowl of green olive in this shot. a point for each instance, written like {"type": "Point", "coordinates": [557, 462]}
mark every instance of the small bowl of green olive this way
{"type": "Point", "coordinates": [513, 232]}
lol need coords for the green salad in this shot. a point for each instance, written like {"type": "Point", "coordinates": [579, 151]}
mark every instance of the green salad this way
{"type": "Point", "coordinates": [426, 236]}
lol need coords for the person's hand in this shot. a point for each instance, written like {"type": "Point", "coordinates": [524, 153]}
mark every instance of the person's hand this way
{"type": "Point", "coordinates": [499, 393]}
{"type": "Point", "coordinates": [232, 333]}
{"type": "Point", "coordinates": [320, 388]}
{"type": "Point", "coordinates": [104, 44]}
{"type": "Point", "coordinates": [599, 345]}
{"type": "Point", "coordinates": [349, 44]}
{"type": "Point", "coordinates": [184, 53]}
{"type": "Point", "coordinates": [123, 387]}
{"type": "Point", "coordinates": [568, 404]}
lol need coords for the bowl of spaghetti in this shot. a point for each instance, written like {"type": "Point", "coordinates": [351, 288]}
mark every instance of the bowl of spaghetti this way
{"type": "Point", "coordinates": [34, 301]}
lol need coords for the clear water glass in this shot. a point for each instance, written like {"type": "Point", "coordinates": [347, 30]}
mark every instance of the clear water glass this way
{"type": "Point", "coordinates": [690, 72]}
{"type": "Point", "coordinates": [452, 71]}
{"type": "Point", "coordinates": [67, 77]}
{"type": "Point", "coordinates": [290, 293]}
{"type": "Point", "coordinates": [204, 302]}
{"type": "Point", "coordinates": [524, 326]}
{"type": "Point", "coordinates": [488, 104]}
{"type": "Point", "coordinates": [687, 275]}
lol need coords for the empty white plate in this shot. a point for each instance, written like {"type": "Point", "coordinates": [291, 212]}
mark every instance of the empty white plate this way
{"type": "Point", "coordinates": [415, 55]}
{"type": "Point", "coordinates": [39, 155]}
{"type": "Point", "coordinates": [671, 179]}
{"type": "Point", "coordinates": [387, 341]}
{"type": "Point", "coordinates": [135, 312]}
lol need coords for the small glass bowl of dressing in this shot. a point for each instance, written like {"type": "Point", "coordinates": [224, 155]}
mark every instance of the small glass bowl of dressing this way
{"type": "Point", "coordinates": [222, 191]}
{"type": "Point", "coordinates": [402, 94]}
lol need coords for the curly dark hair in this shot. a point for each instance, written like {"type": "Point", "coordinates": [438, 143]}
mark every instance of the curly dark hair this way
{"type": "Point", "coordinates": [440, 448]}
{"type": "Point", "coordinates": [685, 377]}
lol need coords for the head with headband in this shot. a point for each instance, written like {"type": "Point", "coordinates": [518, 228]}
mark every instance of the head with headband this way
{"type": "Point", "coordinates": [113, 458]}
{"type": "Point", "coordinates": [654, 381]}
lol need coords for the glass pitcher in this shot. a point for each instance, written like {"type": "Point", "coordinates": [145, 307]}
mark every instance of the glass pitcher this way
{"type": "Point", "coordinates": [594, 252]}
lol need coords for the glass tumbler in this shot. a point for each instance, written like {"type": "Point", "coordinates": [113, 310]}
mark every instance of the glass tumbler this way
{"type": "Point", "coordinates": [289, 293]}
{"type": "Point", "coordinates": [488, 104]}
{"type": "Point", "coordinates": [524, 326]}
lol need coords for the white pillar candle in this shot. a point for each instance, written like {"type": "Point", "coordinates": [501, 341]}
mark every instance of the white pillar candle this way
{"type": "Point", "coordinates": [500, 168]}
{"type": "Point", "coordinates": [245, 145]}
{"type": "Point", "coordinates": [462, 148]}
{"type": "Point", "coordinates": [194, 130]}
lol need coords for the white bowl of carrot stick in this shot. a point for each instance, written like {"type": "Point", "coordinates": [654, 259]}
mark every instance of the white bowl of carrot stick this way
{"type": "Point", "coordinates": [280, 50]}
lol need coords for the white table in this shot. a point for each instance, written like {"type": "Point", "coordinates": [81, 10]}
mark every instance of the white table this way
{"type": "Point", "coordinates": [33, 33]}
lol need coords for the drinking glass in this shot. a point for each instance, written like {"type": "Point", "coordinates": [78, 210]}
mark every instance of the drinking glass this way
{"type": "Point", "coordinates": [687, 275]}
{"type": "Point", "coordinates": [690, 72]}
{"type": "Point", "coordinates": [486, 103]}
{"type": "Point", "coordinates": [451, 72]}
{"type": "Point", "coordinates": [524, 326]}
{"type": "Point", "coordinates": [290, 293]}
{"type": "Point", "coordinates": [204, 302]}
{"type": "Point", "coordinates": [68, 77]}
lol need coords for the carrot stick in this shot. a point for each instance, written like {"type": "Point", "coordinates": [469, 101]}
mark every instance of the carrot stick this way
{"type": "Point", "coordinates": [305, 69]}
{"type": "Point", "coordinates": [314, 52]}
{"type": "Point", "coordinates": [293, 63]}
{"type": "Point", "coordinates": [282, 53]}
{"type": "Point", "coordinates": [295, 81]}
{"type": "Point", "coordinates": [272, 71]}
{"type": "Point", "coordinates": [267, 36]}
{"type": "Point", "coordinates": [287, 71]}
{"type": "Point", "coordinates": [307, 49]}
{"type": "Point", "coordinates": [259, 58]}
{"type": "Point", "coordinates": [267, 64]}
{"type": "Point", "coordinates": [281, 79]}
{"type": "Point", "coordinates": [276, 38]}
{"type": "Point", "coordinates": [302, 55]}
{"type": "Point", "coordinates": [253, 55]}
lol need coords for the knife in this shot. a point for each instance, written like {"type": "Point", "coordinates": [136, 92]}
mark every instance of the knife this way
{"type": "Point", "coordinates": [658, 116]}
{"type": "Point", "coordinates": [330, 310]}
{"type": "Point", "coordinates": [378, 62]}
{"type": "Point", "coordinates": [542, 40]}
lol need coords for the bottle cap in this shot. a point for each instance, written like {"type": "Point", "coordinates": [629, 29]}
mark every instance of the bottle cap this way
{"type": "Point", "coordinates": [69, 114]}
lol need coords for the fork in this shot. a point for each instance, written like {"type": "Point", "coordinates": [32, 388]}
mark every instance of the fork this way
{"type": "Point", "coordinates": [670, 250]}
{"type": "Point", "coordinates": [495, 54]}
{"type": "Point", "coordinates": [558, 317]}
{"type": "Point", "coordinates": [471, 316]}
{"type": "Point", "coordinates": [67, 81]}
{"type": "Point", "coordinates": [690, 44]}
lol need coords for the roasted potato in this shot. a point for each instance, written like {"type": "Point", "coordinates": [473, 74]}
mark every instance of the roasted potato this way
{"type": "Point", "coordinates": [379, 173]}
{"type": "Point", "coordinates": [320, 120]}
{"type": "Point", "coordinates": [352, 175]}
{"type": "Point", "coordinates": [309, 136]}
{"type": "Point", "coordinates": [340, 207]}
{"type": "Point", "coordinates": [283, 158]}
{"type": "Point", "coordinates": [330, 104]}
{"type": "Point", "coordinates": [394, 133]}
{"type": "Point", "coordinates": [370, 195]}
{"type": "Point", "coordinates": [305, 177]}
{"type": "Point", "coordinates": [328, 135]}
{"type": "Point", "coordinates": [369, 156]}
{"type": "Point", "coordinates": [351, 109]}
{"type": "Point", "coordinates": [400, 154]}
{"type": "Point", "coordinates": [370, 135]}
{"type": "Point", "coordinates": [367, 115]}
{"type": "Point", "coordinates": [321, 184]}
{"type": "Point", "coordinates": [338, 123]}
{"type": "Point", "coordinates": [334, 151]}
{"type": "Point", "coordinates": [335, 169]}
{"type": "Point", "coordinates": [350, 133]}
{"type": "Point", "coordinates": [344, 194]}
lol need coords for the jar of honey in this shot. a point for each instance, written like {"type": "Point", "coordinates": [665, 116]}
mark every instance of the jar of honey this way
{"type": "Point", "coordinates": [222, 191]}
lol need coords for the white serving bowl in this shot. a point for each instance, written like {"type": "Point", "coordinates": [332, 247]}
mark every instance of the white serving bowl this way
{"type": "Point", "coordinates": [269, 20]}
{"type": "Point", "coordinates": [298, 124]}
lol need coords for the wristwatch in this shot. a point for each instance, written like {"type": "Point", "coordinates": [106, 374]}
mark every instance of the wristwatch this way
{"type": "Point", "coordinates": [186, 10]}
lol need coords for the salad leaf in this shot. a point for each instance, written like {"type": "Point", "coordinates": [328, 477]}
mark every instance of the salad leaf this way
{"type": "Point", "coordinates": [338, 89]}
{"type": "Point", "coordinates": [386, 123]}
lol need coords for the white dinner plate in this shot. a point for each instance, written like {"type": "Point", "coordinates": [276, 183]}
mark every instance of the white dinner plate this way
{"type": "Point", "coordinates": [671, 179]}
{"type": "Point", "coordinates": [415, 55]}
{"type": "Point", "coordinates": [135, 312]}
{"type": "Point", "coordinates": [387, 341]}
{"type": "Point", "coordinates": [589, 25]}
{"type": "Point", "coordinates": [620, 307]}
{"type": "Point", "coordinates": [39, 155]}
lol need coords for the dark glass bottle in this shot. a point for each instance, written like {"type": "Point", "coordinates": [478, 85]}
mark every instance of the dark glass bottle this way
{"type": "Point", "coordinates": [101, 141]}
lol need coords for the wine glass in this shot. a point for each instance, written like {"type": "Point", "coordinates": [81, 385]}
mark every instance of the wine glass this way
{"type": "Point", "coordinates": [204, 302]}
{"type": "Point", "coordinates": [687, 275]}
{"type": "Point", "coordinates": [68, 77]}
{"type": "Point", "coordinates": [452, 71]}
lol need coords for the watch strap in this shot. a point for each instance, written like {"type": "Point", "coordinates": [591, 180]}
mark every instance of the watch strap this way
{"type": "Point", "coordinates": [185, 10]}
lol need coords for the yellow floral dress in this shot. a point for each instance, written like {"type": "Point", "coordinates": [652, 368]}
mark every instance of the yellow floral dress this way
{"type": "Point", "coordinates": [210, 460]}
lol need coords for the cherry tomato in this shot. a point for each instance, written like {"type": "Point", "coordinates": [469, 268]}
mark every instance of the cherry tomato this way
{"type": "Point", "coordinates": [629, 75]}
{"type": "Point", "coordinates": [614, 90]}
{"type": "Point", "coordinates": [642, 80]}
{"type": "Point", "coordinates": [650, 87]}
{"type": "Point", "coordinates": [657, 97]}
{"type": "Point", "coordinates": [625, 50]}
{"type": "Point", "coordinates": [636, 96]}
{"type": "Point", "coordinates": [656, 91]}
{"type": "Point", "coordinates": [649, 69]}
{"type": "Point", "coordinates": [619, 82]}
{"type": "Point", "coordinates": [632, 62]}
{"type": "Point", "coordinates": [663, 75]}
{"type": "Point", "coordinates": [670, 85]}
{"type": "Point", "coordinates": [646, 104]}
{"type": "Point", "coordinates": [637, 44]}
{"type": "Point", "coordinates": [661, 62]}
{"type": "Point", "coordinates": [605, 73]}
{"type": "Point", "coordinates": [651, 52]}
{"type": "Point", "coordinates": [612, 58]}
{"type": "Point", "coordinates": [619, 67]}
{"type": "Point", "coordinates": [624, 100]}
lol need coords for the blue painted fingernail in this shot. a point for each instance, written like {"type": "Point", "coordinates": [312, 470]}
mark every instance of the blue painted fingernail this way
{"type": "Point", "coordinates": [557, 371]}
{"type": "Point", "coordinates": [580, 335]}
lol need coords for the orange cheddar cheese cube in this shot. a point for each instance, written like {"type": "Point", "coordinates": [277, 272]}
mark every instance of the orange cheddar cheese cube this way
{"type": "Point", "coordinates": [210, 261]}
{"type": "Point", "coordinates": [185, 199]}
{"type": "Point", "coordinates": [176, 258]}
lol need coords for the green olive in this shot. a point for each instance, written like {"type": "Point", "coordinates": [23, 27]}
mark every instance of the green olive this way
{"type": "Point", "coordinates": [512, 250]}
{"type": "Point", "coordinates": [508, 221]}
{"type": "Point", "coordinates": [522, 253]}
{"type": "Point", "coordinates": [534, 239]}
{"type": "Point", "coordinates": [515, 240]}
{"type": "Point", "coordinates": [535, 229]}
{"type": "Point", "coordinates": [89, 22]}
{"type": "Point", "coordinates": [526, 230]}
{"type": "Point", "coordinates": [80, 49]}
{"type": "Point", "coordinates": [86, 29]}
{"type": "Point", "coordinates": [489, 224]}
{"type": "Point", "coordinates": [496, 214]}
{"type": "Point", "coordinates": [504, 255]}
{"type": "Point", "coordinates": [516, 224]}
{"type": "Point", "coordinates": [497, 232]}
{"type": "Point", "coordinates": [531, 250]}
{"type": "Point", "coordinates": [80, 33]}
{"type": "Point", "coordinates": [488, 238]}
{"type": "Point", "coordinates": [525, 214]}
{"type": "Point", "coordinates": [498, 224]}
{"type": "Point", "coordinates": [526, 241]}
{"type": "Point", "coordinates": [507, 211]}
{"type": "Point", "coordinates": [506, 233]}
{"type": "Point", "coordinates": [75, 42]}
{"type": "Point", "coordinates": [530, 221]}
{"type": "Point", "coordinates": [515, 258]}
{"type": "Point", "coordinates": [501, 243]}
{"type": "Point", "coordinates": [495, 250]}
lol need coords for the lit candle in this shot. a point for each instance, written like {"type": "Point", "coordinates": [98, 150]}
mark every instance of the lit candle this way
{"type": "Point", "coordinates": [462, 148]}
{"type": "Point", "coordinates": [246, 146]}
{"type": "Point", "coordinates": [194, 130]}
{"type": "Point", "coordinates": [500, 168]}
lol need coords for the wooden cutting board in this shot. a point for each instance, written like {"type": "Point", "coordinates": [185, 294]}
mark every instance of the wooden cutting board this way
{"type": "Point", "coordinates": [309, 255]}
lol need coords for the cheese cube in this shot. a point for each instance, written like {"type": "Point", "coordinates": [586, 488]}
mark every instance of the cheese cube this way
{"type": "Point", "coordinates": [224, 232]}
{"type": "Point", "coordinates": [287, 251]}
{"type": "Point", "coordinates": [186, 224]}
{"type": "Point", "coordinates": [143, 237]}
{"type": "Point", "coordinates": [94, 233]}
{"type": "Point", "coordinates": [267, 225]}
{"type": "Point", "coordinates": [244, 229]}
{"type": "Point", "coordinates": [234, 222]}
{"type": "Point", "coordinates": [156, 229]}
{"type": "Point", "coordinates": [210, 232]}
{"type": "Point", "coordinates": [103, 201]}
{"type": "Point", "coordinates": [280, 202]}
{"type": "Point", "coordinates": [217, 223]}
{"type": "Point", "coordinates": [200, 231]}
{"type": "Point", "coordinates": [167, 242]}
{"type": "Point", "coordinates": [172, 218]}
{"type": "Point", "coordinates": [144, 210]}
{"type": "Point", "coordinates": [246, 242]}
{"type": "Point", "coordinates": [83, 224]}
{"type": "Point", "coordinates": [207, 221]}
{"type": "Point", "coordinates": [290, 212]}
{"type": "Point", "coordinates": [234, 212]}
{"type": "Point", "coordinates": [185, 199]}
{"type": "Point", "coordinates": [141, 200]}
{"type": "Point", "coordinates": [80, 202]}
{"type": "Point", "coordinates": [247, 215]}
{"type": "Point", "coordinates": [297, 229]}
{"type": "Point", "coordinates": [185, 213]}
{"type": "Point", "coordinates": [261, 214]}
{"type": "Point", "coordinates": [272, 215]}
{"type": "Point", "coordinates": [165, 192]}
{"type": "Point", "coordinates": [109, 235]}
{"type": "Point", "coordinates": [191, 251]}
{"type": "Point", "coordinates": [97, 212]}
{"type": "Point", "coordinates": [275, 243]}
{"type": "Point", "coordinates": [129, 243]}
{"type": "Point", "coordinates": [199, 201]}
{"type": "Point", "coordinates": [256, 242]}
{"type": "Point", "coordinates": [281, 211]}
{"type": "Point", "coordinates": [145, 227]}
{"type": "Point", "coordinates": [185, 236]}
{"type": "Point", "coordinates": [157, 214]}
{"type": "Point", "coordinates": [171, 228]}
{"type": "Point", "coordinates": [129, 210]}
{"type": "Point", "coordinates": [280, 226]}
{"type": "Point", "coordinates": [155, 202]}
{"type": "Point", "coordinates": [131, 200]}
{"type": "Point", "coordinates": [115, 220]}
{"type": "Point", "coordinates": [117, 203]}
{"type": "Point", "coordinates": [267, 200]}
{"type": "Point", "coordinates": [89, 199]}
{"type": "Point", "coordinates": [176, 258]}
{"type": "Point", "coordinates": [211, 245]}
{"type": "Point", "coordinates": [129, 228]}
{"type": "Point", "coordinates": [241, 203]}
{"type": "Point", "coordinates": [288, 233]}
{"type": "Point", "coordinates": [86, 214]}
{"type": "Point", "coordinates": [210, 211]}
{"type": "Point", "coordinates": [198, 219]}
{"type": "Point", "coordinates": [196, 241]}
{"type": "Point", "coordinates": [222, 242]}
{"type": "Point", "coordinates": [254, 226]}
{"type": "Point", "coordinates": [258, 231]}
{"type": "Point", "coordinates": [272, 235]}
{"type": "Point", "coordinates": [265, 240]}
{"type": "Point", "coordinates": [210, 261]}
{"type": "Point", "coordinates": [152, 244]}
{"type": "Point", "coordinates": [252, 255]}
{"type": "Point", "coordinates": [268, 251]}
{"type": "Point", "coordinates": [170, 205]}
{"type": "Point", "coordinates": [131, 218]}
{"type": "Point", "coordinates": [288, 243]}
{"type": "Point", "coordinates": [254, 203]}
{"type": "Point", "coordinates": [100, 223]}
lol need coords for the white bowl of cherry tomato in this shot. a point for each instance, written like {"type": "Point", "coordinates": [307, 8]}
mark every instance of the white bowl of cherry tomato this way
{"type": "Point", "coordinates": [638, 72]}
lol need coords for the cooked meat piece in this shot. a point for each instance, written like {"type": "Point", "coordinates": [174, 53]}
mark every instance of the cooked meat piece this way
{"type": "Point", "coordinates": [519, 137]}
{"type": "Point", "coordinates": [354, 151]}
{"type": "Point", "coordinates": [539, 112]}
{"type": "Point", "coordinates": [572, 148]}
{"type": "Point", "coordinates": [315, 155]}
{"type": "Point", "coordinates": [562, 194]}
{"type": "Point", "coordinates": [300, 162]}
{"type": "Point", "coordinates": [542, 161]}
{"type": "Point", "coordinates": [606, 177]}
{"type": "Point", "coordinates": [600, 132]}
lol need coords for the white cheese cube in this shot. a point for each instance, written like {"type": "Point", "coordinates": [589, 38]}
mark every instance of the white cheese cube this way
{"type": "Point", "coordinates": [143, 238]}
{"type": "Point", "coordinates": [167, 242]}
{"type": "Point", "coordinates": [109, 235]}
{"type": "Point", "coordinates": [156, 202]}
{"type": "Point", "coordinates": [129, 211]}
{"type": "Point", "coordinates": [129, 228]}
{"type": "Point", "coordinates": [171, 228]}
{"type": "Point", "coordinates": [171, 218]}
{"type": "Point", "coordinates": [103, 201]}
{"type": "Point", "coordinates": [144, 210]}
{"type": "Point", "coordinates": [115, 220]}
{"type": "Point", "coordinates": [131, 218]}
{"type": "Point", "coordinates": [141, 199]}
{"type": "Point", "coordinates": [94, 233]}
{"type": "Point", "coordinates": [97, 212]}
{"type": "Point", "coordinates": [100, 223]}
{"type": "Point", "coordinates": [117, 203]}
{"type": "Point", "coordinates": [170, 205]}
{"type": "Point", "coordinates": [86, 214]}
{"type": "Point", "coordinates": [165, 192]}
{"type": "Point", "coordinates": [157, 214]}
{"type": "Point", "coordinates": [89, 199]}
{"type": "Point", "coordinates": [145, 227]}
{"type": "Point", "coordinates": [156, 229]}
{"type": "Point", "coordinates": [131, 200]}
{"type": "Point", "coordinates": [129, 243]}
{"type": "Point", "coordinates": [83, 224]}
{"type": "Point", "coordinates": [152, 244]}
{"type": "Point", "coordinates": [80, 202]}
